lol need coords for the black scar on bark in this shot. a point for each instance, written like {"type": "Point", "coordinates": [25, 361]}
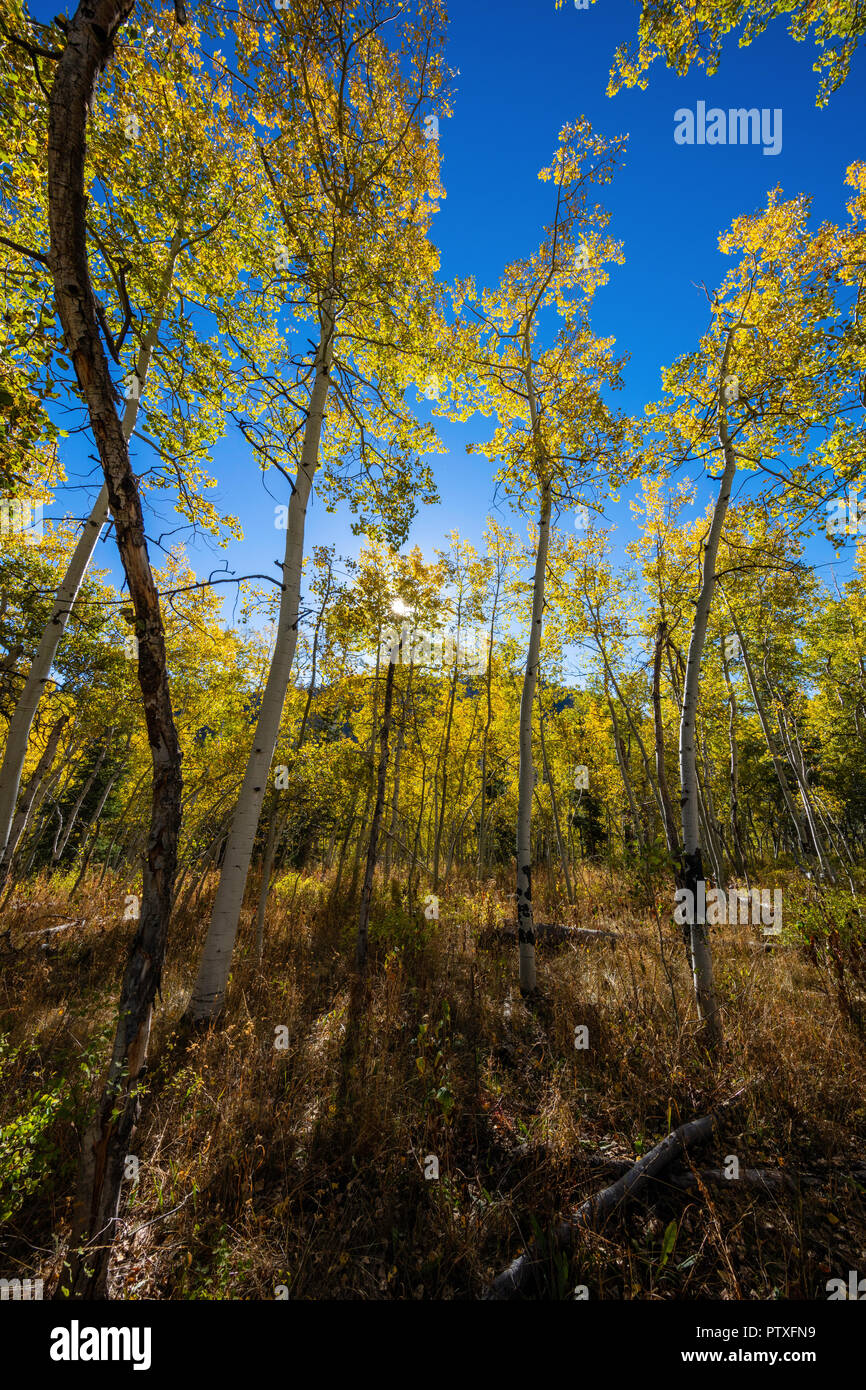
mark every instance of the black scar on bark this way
{"type": "Point", "coordinates": [693, 872]}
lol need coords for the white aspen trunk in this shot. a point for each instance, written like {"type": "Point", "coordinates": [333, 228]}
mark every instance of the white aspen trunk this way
{"type": "Point", "coordinates": [215, 963]}
{"type": "Point", "coordinates": [734, 766]}
{"type": "Point", "coordinates": [768, 736]}
{"type": "Point", "coordinates": [369, 771]}
{"type": "Point", "coordinates": [267, 866]}
{"type": "Point", "coordinates": [487, 725]}
{"type": "Point", "coordinates": [798, 767]}
{"type": "Point", "coordinates": [67, 591]}
{"type": "Point", "coordinates": [714, 842]}
{"type": "Point", "coordinates": [440, 825]}
{"type": "Point", "coordinates": [92, 832]}
{"type": "Point", "coordinates": [563, 857]}
{"type": "Point", "coordinates": [29, 803]}
{"type": "Point", "coordinates": [373, 846]}
{"type": "Point", "coordinates": [525, 921]}
{"type": "Point", "coordinates": [659, 734]}
{"type": "Point", "coordinates": [395, 798]}
{"type": "Point", "coordinates": [626, 780]}
{"type": "Point", "coordinates": [82, 796]}
{"type": "Point", "coordinates": [699, 949]}
{"type": "Point", "coordinates": [635, 730]}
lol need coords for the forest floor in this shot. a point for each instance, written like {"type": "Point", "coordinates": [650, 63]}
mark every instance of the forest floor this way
{"type": "Point", "coordinates": [287, 1151]}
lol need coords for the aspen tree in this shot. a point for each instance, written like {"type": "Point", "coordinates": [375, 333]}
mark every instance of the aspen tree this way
{"type": "Point", "coordinates": [350, 192]}
{"type": "Point", "coordinates": [555, 433]}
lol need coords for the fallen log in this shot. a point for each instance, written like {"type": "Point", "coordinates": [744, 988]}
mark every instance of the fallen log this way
{"type": "Point", "coordinates": [591, 1213]}
{"type": "Point", "coordinates": [546, 934]}
{"type": "Point", "coordinates": [772, 1179]}
{"type": "Point", "coordinates": [64, 926]}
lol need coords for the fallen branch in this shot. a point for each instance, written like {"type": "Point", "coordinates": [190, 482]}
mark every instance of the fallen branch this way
{"type": "Point", "coordinates": [772, 1179]}
{"type": "Point", "coordinates": [591, 1214]}
{"type": "Point", "coordinates": [64, 926]}
{"type": "Point", "coordinates": [546, 933]}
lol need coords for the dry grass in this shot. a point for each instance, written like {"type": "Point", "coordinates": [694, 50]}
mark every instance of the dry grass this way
{"type": "Point", "coordinates": [304, 1166]}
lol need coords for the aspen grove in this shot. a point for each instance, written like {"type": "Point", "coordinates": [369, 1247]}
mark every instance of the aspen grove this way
{"type": "Point", "coordinates": [433, 775]}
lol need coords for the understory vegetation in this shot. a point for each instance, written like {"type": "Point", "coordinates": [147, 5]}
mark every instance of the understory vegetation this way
{"type": "Point", "coordinates": [304, 1166]}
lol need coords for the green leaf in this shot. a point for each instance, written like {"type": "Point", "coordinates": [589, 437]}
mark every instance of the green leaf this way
{"type": "Point", "coordinates": [668, 1242]}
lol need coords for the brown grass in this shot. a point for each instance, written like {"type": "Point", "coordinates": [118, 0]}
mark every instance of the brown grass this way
{"type": "Point", "coordinates": [304, 1167]}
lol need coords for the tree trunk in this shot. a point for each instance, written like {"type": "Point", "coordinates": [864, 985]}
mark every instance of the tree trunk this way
{"type": "Point", "coordinates": [798, 766]}
{"type": "Point", "coordinates": [41, 771]}
{"type": "Point", "coordinates": [369, 773]}
{"type": "Point", "coordinates": [267, 866]}
{"type": "Point", "coordinates": [215, 964]}
{"type": "Point", "coordinates": [768, 737]}
{"type": "Point", "coordinates": [93, 828]}
{"type": "Point", "coordinates": [79, 802]}
{"type": "Point", "coordinates": [668, 816]}
{"type": "Point", "coordinates": [693, 869]}
{"type": "Point", "coordinates": [483, 811]}
{"type": "Point", "coordinates": [440, 825]}
{"type": "Point", "coordinates": [372, 848]}
{"type": "Point", "coordinates": [563, 857]}
{"type": "Point", "coordinates": [623, 769]}
{"type": "Point", "coordinates": [525, 921]}
{"type": "Point", "coordinates": [90, 39]}
{"type": "Point", "coordinates": [395, 799]}
{"type": "Point", "coordinates": [734, 815]}
{"type": "Point", "coordinates": [67, 591]}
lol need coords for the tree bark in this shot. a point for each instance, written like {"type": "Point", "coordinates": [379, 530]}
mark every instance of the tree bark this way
{"type": "Point", "coordinates": [40, 772]}
{"type": "Point", "coordinates": [525, 924]}
{"type": "Point", "coordinates": [563, 857]}
{"type": "Point", "coordinates": [373, 846]}
{"type": "Point", "coordinates": [90, 38]}
{"type": "Point", "coordinates": [67, 590]}
{"type": "Point", "coordinates": [215, 964]}
{"type": "Point", "coordinates": [79, 802]}
{"type": "Point", "coordinates": [440, 824]}
{"type": "Point", "coordinates": [267, 866]}
{"type": "Point", "coordinates": [734, 814]}
{"type": "Point", "coordinates": [622, 762]}
{"type": "Point", "coordinates": [482, 815]}
{"type": "Point", "coordinates": [693, 869]}
{"type": "Point", "coordinates": [768, 737]}
{"type": "Point", "coordinates": [668, 816]}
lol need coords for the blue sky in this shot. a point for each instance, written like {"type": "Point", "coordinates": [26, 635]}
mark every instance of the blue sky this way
{"type": "Point", "coordinates": [525, 69]}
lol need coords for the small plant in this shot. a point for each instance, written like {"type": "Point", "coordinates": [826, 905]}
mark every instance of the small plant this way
{"type": "Point", "coordinates": [433, 1044]}
{"type": "Point", "coordinates": [30, 1142]}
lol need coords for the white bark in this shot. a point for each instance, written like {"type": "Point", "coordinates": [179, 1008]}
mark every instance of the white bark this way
{"type": "Point", "coordinates": [525, 924]}
{"type": "Point", "coordinates": [701, 958]}
{"type": "Point", "coordinates": [267, 866]}
{"type": "Point", "coordinates": [67, 591]}
{"type": "Point", "coordinates": [72, 819]}
{"type": "Point", "coordinates": [29, 802]}
{"type": "Point", "coordinates": [215, 963]}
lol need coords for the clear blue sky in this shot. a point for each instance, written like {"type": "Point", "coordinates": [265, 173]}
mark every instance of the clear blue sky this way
{"type": "Point", "coordinates": [525, 69]}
